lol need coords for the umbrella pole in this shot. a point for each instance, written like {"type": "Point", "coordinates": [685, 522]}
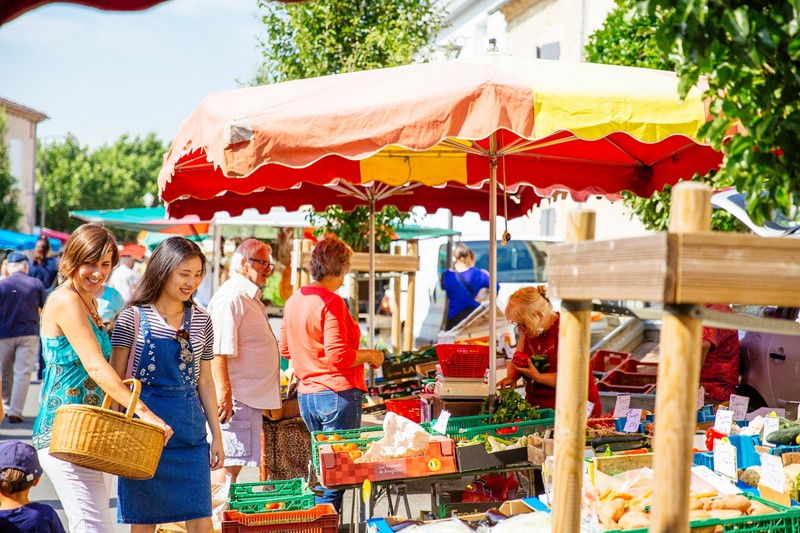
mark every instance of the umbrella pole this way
{"type": "Point", "coordinates": [492, 272]}
{"type": "Point", "coordinates": [371, 309]}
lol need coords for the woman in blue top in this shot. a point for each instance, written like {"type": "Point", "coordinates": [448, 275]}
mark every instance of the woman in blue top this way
{"type": "Point", "coordinates": [76, 351]}
{"type": "Point", "coordinates": [465, 285]}
{"type": "Point", "coordinates": [171, 343]}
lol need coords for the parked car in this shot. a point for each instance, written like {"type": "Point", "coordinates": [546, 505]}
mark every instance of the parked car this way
{"type": "Point", "coordinates": [769, 362]}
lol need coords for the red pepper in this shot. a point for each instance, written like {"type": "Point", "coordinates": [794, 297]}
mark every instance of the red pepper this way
{"type": "Point", "coordinates": [521, 359]}
{"type": "Point", "coordinates": [637, 451]}
{"type": "Point", "coordinates": [509, 430]}
{"type": "Point", "coordinates": [712, 435]}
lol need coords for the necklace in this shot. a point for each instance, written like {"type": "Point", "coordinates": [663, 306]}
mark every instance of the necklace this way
{"type": "Point", "coordinates": [166, 316]}
{"type": "Point", "coordinates": [96, 318]}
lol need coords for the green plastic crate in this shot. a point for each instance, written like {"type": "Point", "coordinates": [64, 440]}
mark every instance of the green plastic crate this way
{"type": "Point", "coordinates": [251, 498]}
{"type": "Point", "coordinates": [785, 520]}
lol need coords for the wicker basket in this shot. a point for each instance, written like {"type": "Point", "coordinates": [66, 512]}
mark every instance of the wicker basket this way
{"type": "Point", "coordinates": [102, 439]}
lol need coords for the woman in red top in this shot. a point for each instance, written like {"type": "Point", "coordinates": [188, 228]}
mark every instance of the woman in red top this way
{"type": "Point", "coordinates": [322, 340]}
{"type": "Point", "coordinates": [537, 324]}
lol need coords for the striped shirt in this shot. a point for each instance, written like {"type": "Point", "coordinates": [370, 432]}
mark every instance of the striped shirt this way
{"type": "Point", "coordinates": [201, 334]}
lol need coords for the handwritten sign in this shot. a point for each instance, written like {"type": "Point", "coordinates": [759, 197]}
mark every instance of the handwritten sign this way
{"type": "Point", "coordinates": [738, 404]}
{"type": "Point", "coordinates": [701, 398]}
{"type": "Point", "coordinates": [441, 422]}
{"type": "Point", "coordinates": [771, 424]}
{"type": "Point", "coordinates": [589, 409]}
{"type": "Point", "coordinates": [772, 474]}
{"type": "Point", "coordinates": [725, 459]}
{"type": "Point", "coordinates": [723, 421]}
{"type": "Point", "coordinates": [622, 405]}
{"type": "Point", "coordinates": [632, 420]}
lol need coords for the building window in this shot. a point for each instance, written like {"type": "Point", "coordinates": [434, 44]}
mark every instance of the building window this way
{"type": "Point", "coordinates": [15, 161]}
{"type": "Point", "coordinates": [548, 51]}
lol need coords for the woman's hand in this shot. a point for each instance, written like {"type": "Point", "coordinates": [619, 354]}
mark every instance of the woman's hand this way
{"type": "Point", "coordinates": [376, 359]}
{"type": "Point", "coordinates": [507, 383]}
{"type": "Point", "coordinates": [149, 417]}
{"type": "Point", "coordinates": [529, 371]}
{"type": "Point", "coordinates": [217, 454]}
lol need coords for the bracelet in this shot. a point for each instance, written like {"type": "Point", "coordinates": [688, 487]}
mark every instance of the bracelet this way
{"type": "Point", "coordinates": [371, 358]}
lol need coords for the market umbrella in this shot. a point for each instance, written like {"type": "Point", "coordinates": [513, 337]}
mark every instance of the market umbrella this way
{"type": "Point", "coordinates": [490, 119]}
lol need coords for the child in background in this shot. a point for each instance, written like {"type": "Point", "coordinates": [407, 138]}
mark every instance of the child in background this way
{"type": "Point", "coordinates": [19, 471]}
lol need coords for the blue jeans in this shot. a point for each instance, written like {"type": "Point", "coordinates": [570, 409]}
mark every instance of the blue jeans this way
{"type": "Point", "coordinates": [329, 411]}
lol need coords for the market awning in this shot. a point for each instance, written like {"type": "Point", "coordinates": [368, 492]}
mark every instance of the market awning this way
{"type": "Point", "coordinates": [12, 240]}
{"type": "Point", "coordinates": [143, 219]}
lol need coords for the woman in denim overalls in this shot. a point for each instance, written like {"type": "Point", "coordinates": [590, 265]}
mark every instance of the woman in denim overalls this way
{"type": "Point", "coordinates": [172, 354]}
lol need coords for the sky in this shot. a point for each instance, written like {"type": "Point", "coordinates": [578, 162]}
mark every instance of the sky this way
{"type": "Point", "coordinates": [101, 74]}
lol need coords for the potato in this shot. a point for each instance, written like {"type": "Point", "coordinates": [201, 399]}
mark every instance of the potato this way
{"type": "Point", "coordinates": [758, 508]}
{"type": "Point", "coordinates": [732, 501]}
{"type": "Point", "coordinates": [724, 514]}
{"type": "Point", "coordinates": [613, 510]}
{"type": "Point", "coordinates": [696, 505]}
{"type": "Point", "coordinates": [634, 520]}
{"type": "Point", "coordinates": [698, 514]}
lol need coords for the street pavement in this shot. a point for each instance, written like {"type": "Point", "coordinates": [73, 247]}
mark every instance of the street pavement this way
{"type": "Point", "coordinates": [418, 493]}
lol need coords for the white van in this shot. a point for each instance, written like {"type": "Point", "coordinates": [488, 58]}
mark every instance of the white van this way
{"type": "Point", "coordinates": [520, 263]}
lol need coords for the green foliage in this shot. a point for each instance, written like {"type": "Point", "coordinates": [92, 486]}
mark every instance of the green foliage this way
{"type": "Point", "coordinates": [353, 226]}
{"type": "Point", "coordinates": [307, 39]}
{"type": "Point", "coordinates": [750, 54]}
{"type": "Point", "coordinates": [108, 177]}
{"type": "Point", "coordinates": [10, 214]}
{"type": "Point", "coordinates": [628, 38]}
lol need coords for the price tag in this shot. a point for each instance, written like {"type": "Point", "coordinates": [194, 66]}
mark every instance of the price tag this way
{"type": "Point", "coordinates": [738, 404]}
{"type": "Point", "coordinates": [441, 422]}
{"type": "Point", "coordinates": [622, 405]}
{"type": "Point", "coordinates": [632, 420]}
{"type": "Point", "coordinates": [701, 397]}
{"type": "Point", "coordinates": [771, 472]}
{"type": "Point", "coordinates": [723, 421]}
{"type": "Point", "coordinates": [589, 409]}
{"type": "Point", "coordinates": [770, 425]}
{"type": "Point", "coordinates": [509, 351]}
{"type": "Point", "coordinates": [725, 459]}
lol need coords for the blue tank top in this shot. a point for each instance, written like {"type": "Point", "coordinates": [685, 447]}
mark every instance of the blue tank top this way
{"type": "Point", "coordinates": [65, 381]}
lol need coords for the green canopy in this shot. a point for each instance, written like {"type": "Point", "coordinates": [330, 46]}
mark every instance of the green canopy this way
{"type": "Point", "coordinates": [141, 219]}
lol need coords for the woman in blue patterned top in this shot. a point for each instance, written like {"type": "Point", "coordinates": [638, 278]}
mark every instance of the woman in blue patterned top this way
{"type": "Point", "coordinates": [167, 342]}
{"type": "Point", "coordinates": [76, 350]}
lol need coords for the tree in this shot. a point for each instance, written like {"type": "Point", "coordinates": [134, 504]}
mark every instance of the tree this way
{"type": "Point", "coordinates": [308, 39]}
{"type": "Point", "coordinates": [10, 214]}
{"type": "Point", "coordinates": [750, 53]}
{"type": "Point", "coordinates": [628, 38]}
{"type": "Point", "coordinates": [109, 177]}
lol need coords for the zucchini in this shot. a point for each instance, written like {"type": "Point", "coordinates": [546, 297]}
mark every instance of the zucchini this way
{"type": "Point", "coordinates": [784, 436]}
{"type": "Point", "coordinates": [614, 439]}
{"type": "Point", "coordinates": [622, 446]}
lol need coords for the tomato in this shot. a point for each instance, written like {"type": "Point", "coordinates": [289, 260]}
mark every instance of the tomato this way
{"type": "Point", "coordinates": [338, 447]}
{"type": "Point", "coordinates": [350, 447]}
{"type": "Point", "coordinates": [319, 438]}
{"type": "Point", "coordinates": [355, 454]}
{"type": "Point", "coordinates": [274, 506]}
{"type": "Point", "coordinates": [334, 437]}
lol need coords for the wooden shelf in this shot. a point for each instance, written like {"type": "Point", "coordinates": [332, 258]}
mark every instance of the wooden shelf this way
{"type": "Point", "coordinates": [383, 262]}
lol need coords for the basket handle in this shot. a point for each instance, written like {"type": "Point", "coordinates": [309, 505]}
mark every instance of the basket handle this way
{"type": "Point", "coordinates": [137, 388]}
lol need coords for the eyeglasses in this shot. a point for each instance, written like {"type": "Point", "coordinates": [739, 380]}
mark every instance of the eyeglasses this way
{"type": "Point", "coordinates": [264, 263]}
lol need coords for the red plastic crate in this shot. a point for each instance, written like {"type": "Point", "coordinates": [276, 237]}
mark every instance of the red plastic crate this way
{"type": "Point", "coordinates": [463, 360]}
{"type": "Point", "coordinates": [637, 367]}
{"type": "Point", "coordinates": [321, 518]}
{"type": "Point", "coordinates": [606, 360]}
{"type": "Point", "coordinates": [630, 382]}
{"type": "Point", "coordinates": [410, 407]}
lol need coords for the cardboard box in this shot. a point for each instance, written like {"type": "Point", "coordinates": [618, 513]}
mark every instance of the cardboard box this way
{"type": "Point", "coordinates": [475, 457]}
{"type": "Point", "coordinates": [338, 468]}
{"type": "Point", "coordinates": [456, 407]}
{"type": "Point", "coordinates": [614, 463]}
{"type": "Point", "coordinates": [401, 370]}
{"type": "Point", "coordinates": [537, 454]}
{"type": "Point", "coordinates": [427, 370]}
{"type": "Point", "coordinates": [453, 506]}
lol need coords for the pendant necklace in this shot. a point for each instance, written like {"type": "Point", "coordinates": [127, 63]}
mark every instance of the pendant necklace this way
{"type": "Point", "coordinates": [96, 318]}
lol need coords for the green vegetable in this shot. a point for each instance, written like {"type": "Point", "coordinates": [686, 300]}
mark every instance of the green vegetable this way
{"type": "Point", "coordinates": [511, 406]}
{"type": "Point", "coordinates": [540, 362]}
{"type": "Point", "coordinates": [784, 436]}
{"type": "Point", "coordinates": [614, 439]}
{"type": "Point", "coordinates": [621, 446]}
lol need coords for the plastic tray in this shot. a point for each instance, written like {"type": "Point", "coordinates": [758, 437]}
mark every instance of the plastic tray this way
{"type": "Point", "coordinates": [252, 497]}
{"type": "Point", "coordinates": [630, 382]}
{"type": "Point", "coordinates": [638, 367]}
{"type": "Point", "coordinates": [319, 519]}
{"type": "Point", "coordinates": [746, 455]}
{"type": "Point", "coordinates": [463, 360]}
{"type": "Point", "coordinates": [604, 361]}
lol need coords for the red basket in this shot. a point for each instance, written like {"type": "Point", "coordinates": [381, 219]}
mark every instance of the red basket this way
{"type": "Point", "coordinates": [604, 361]}
{"type": "Point", "coordinates": [463, 360]}
{"type": "Point", "coordinates": [321, 518]}
{"type": "Point", "coordinates": [410, 408]}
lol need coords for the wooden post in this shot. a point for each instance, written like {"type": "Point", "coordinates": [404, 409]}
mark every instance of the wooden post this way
{"type": "Point", "coordinates": [678, 379]}
{"type": "Point", "coordinates": [396, 322]}
{"type": "Point", "coordinates": [572, 384]}
{"type": "Point", "coordinates": [408, 329]}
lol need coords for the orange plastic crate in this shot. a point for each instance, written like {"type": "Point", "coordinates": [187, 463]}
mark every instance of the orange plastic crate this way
{"type": "Point", "coordinates": [606, 360]}
{"type": "Point", "coordinates": [410, 407]}
{"type": "Point", "coordinates": [321, 518]}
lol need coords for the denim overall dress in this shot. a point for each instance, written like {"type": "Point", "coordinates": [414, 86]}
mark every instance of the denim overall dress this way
{"type": "Point", "coordinates": [181, 487]}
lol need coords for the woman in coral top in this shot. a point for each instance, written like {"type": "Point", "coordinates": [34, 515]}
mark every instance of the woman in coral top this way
{"type": "Point", "coordinates": [530, 310]}
{"type": "Point", "coordinates": [322, 340]}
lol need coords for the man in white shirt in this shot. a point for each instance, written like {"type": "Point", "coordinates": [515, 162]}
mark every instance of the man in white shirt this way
{"type": "Point", "coordinates": [123, 278]}
{"type": "Point", "coordinates": [247, 361]}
